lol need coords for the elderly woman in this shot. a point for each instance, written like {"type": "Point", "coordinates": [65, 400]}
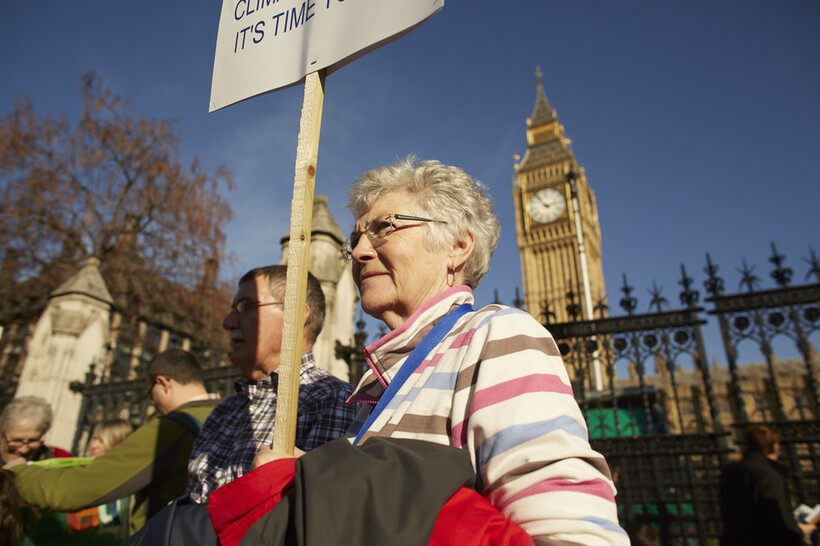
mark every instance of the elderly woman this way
{"type": "Point", "coordinates": [23, 423]}
{"type": "Point", "coordinates": [493, 382]}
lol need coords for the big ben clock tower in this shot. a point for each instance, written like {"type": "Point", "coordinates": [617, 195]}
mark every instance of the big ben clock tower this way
{"type": "Point", "coordinates": [559, 238]}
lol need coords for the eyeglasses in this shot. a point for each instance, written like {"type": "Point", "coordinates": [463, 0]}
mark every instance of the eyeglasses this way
{"type": "Point", "coordinates": [17, 443]}
{"type": "Point", "coordinates": [243, 307]}
{"type": "Point", "coordinates": [377, 230]}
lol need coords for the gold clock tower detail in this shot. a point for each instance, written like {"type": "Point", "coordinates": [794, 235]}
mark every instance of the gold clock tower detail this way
{"type": "Point", "coordinates": [559, 238]}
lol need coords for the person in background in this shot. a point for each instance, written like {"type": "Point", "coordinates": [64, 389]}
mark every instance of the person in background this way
{"type": "Point", "coordinates": [108, 522]}
{"type": "Point", "coordinates": [243, 423]}
{"type": "Point", "coordinates": [108, 434]}
{"type": "Point", "coordinates": [754, 496]}
{"type": "Point", "coordinates": [150, 464]}
{"type": "Point", "coordinates": [23, 423]}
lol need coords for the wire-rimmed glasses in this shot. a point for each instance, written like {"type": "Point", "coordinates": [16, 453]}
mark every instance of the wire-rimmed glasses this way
{"type": "Point", "coordinates": [17, 443]}
{"type": "Point", "coordinates": [378, 230]}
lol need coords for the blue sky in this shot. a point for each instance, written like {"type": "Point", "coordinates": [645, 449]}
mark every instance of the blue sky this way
{"type": "Point", "coordinates": [698, 123]}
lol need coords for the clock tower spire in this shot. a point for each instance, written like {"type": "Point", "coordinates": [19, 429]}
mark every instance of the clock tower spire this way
{"type": "Point", "coordinates": [557, 228]}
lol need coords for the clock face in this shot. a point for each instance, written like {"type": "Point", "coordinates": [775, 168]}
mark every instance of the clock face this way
{"type": "Point", "coordinates": [547, 205]}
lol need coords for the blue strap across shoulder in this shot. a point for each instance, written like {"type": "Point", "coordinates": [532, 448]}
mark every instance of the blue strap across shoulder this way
{"type": "Point", "coordinates": [416, 357]}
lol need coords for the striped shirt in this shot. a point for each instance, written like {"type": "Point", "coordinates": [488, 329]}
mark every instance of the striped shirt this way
{"type": "Point", "coordinates": [497, 387]}
{"type": "Point", "coordinates": [243, 422]}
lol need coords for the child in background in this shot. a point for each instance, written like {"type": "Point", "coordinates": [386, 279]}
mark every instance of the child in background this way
{"type": "Point", "coordinates": [112, 518]}
{"type": "Point", "coordinates": [108, 434]}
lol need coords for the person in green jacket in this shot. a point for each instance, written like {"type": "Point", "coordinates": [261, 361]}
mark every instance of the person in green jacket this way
{"type": "Point", "coordinates": [150, 464]}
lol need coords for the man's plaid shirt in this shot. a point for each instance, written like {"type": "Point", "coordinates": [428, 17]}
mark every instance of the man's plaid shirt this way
{"type": "Point", "coordinates": [242, 423]}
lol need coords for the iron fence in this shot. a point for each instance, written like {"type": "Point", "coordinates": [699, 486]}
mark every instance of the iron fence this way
{"type": "Point", "coordinates": [668, 422]}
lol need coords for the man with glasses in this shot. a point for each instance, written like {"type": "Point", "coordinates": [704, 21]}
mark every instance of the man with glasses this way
{"type": "Point", "coordinates": [150, 464]}
{"type": "Point", "coordinates": [243, 423]}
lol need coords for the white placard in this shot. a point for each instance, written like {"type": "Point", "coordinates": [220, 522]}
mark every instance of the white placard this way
{"type": "Point", "coordinates": [264, 45]}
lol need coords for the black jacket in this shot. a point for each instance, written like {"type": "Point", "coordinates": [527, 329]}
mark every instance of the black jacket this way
{"type": "Point", "coordinates": [756, 504]}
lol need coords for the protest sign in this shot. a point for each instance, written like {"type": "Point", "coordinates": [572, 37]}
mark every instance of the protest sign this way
{"type": "Point", "coordinates": [264, 45]}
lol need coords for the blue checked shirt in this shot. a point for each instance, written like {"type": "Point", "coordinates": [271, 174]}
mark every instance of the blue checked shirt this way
{"type": "Point", "coordinates": [242, 423]}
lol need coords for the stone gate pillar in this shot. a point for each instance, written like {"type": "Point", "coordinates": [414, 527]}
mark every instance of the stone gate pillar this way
{"type": "Point", "coordinates": [71, 334]}
{"type": "Point", "coordinates": [325, 262]}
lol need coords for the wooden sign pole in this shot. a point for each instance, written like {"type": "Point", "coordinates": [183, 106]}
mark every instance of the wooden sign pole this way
{"type": "Point", "coordinates": [301, 216]}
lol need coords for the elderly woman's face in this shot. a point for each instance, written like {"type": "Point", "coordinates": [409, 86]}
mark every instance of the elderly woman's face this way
{"type": "Point", "coordinates": [23, 439]}
{"type": "Point", "coordinates": [401, 273]}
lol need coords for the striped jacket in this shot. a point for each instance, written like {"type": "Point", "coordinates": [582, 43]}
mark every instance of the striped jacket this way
{"type": "Point", "coordinates": [497, 387]}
